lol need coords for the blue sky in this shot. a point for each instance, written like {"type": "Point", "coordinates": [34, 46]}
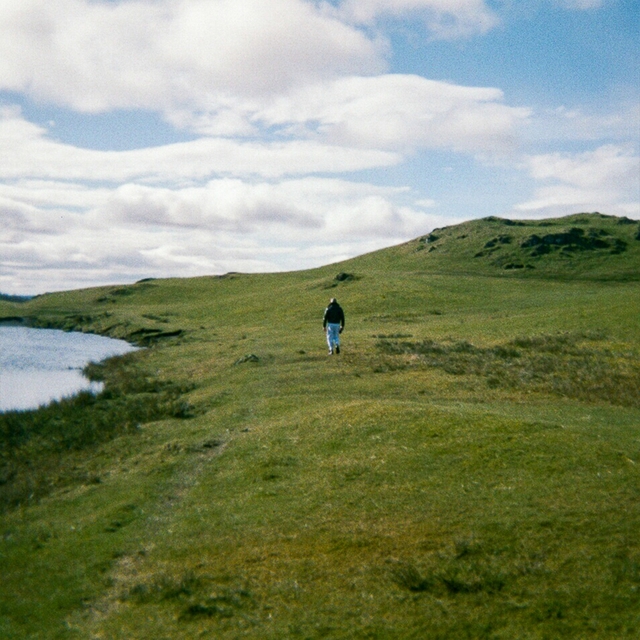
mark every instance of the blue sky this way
{"type": "Point", "coordinates": [159, 138]}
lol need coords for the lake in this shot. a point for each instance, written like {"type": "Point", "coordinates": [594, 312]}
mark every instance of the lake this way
{"type": "Point", "coordinates": [38, 366]}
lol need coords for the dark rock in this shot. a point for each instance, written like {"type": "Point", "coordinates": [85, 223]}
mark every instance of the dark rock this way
{"type": "Point", "coordinates": [499, 240]}
{"type": "Point", "coordinates": [344, 277]}
{"type": "Point", "coordinates": [573, 240]}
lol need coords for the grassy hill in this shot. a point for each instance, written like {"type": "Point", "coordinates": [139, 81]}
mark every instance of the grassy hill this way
{"type": "Point", "coordinates": [585, 246]}
{"type": "Point", "coordinates": [468, 467]}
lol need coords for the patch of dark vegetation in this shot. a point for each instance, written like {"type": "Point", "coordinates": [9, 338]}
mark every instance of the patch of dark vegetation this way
{"type": "Point", "coordinates": [123, 291]}
{"type": "Point", "coordinates": [208, 447]}
{"type": "Point", "coordinates": [567, 364]}
{"type": "Point", "coordinates": [147, 337]}
{"type": "Point", "coordinates": [70, 322]}
{"type": "Point", "coordinates": [252, 357]}
{"type": "Point", "coordinates": [36, 447]}
{"type": "Point", "coordinates": [576, 239]}
{"type": "Point", "coordinates": [128, 290]}
{"type": "Point", "coordinates": [619, 246]}
{"type": "Point", "coordinates": [197, 596]}
{"type": "Point", "coordinates": [506, 221]}
{"type": "Point", "coordinates": [344, 277]}
{"type": "Point", "coordinates": [494, 245]}
{"type": "Point", "coordinates": [498, 241]}
{"type": "Point", "coordinates": [122, 517]}
{"type": "Point", "coordinates": [13, 321]}
{"type": "Point", "coordinates": [407, 576]}
{"type": "Point", "coordinates": [151, 316]}
{"type": "Point", "coordinates": [456, 574]}
{"type": "Point", "coordinates": [211, 444]}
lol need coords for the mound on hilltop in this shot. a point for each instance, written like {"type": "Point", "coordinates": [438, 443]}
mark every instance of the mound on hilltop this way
{"type": "Point", "coordinates": [585, 246]}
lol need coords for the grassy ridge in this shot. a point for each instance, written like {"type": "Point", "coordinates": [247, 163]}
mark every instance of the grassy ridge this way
{"type": "Point", "coordinates": [467, 468]}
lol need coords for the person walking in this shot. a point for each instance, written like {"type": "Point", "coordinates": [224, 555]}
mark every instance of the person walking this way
{"type": "Point", "coordinates": [333, 324]}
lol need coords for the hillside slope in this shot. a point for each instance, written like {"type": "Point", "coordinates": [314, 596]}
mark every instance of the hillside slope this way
{"type": "Point", "coordinates": [581, 246]}
{"type": "Point", "coordinates": [468, 467]}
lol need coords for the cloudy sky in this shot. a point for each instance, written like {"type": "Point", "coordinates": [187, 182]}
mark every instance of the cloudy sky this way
{"type": "Point", "coordinates": [155, 138]}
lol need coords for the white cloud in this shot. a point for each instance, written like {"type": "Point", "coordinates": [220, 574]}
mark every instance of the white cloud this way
{"type": "Point", "coordinates": [97, 55]}
{"type": "Point", "coordinates": [399, 112]}
{"type": "Point", "coordinates": [323, 208]}
{"type": "Point", "coordinates": [606, 180]}
{"type": "Point", "coordinates": [393, 112]}
{"type": "Point", "coordinates": [562, 123]}
{"type": "Point", "coordinates": [443, 18]}
{"type": "Point", "coordinates": [26, 151]}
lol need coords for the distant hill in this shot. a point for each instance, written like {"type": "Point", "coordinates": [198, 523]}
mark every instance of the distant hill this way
{"type": "Point", "coordinates": [584, 246]}
{"type": "Point", "coordinates": [11, 298]}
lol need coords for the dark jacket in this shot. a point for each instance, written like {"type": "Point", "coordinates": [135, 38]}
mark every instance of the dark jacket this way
{"type": "Point", "coordinates": [333, 314]}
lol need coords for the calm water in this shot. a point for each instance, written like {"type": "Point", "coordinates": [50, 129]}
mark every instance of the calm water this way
{"type": "Point", "coordinates": [41, 365]}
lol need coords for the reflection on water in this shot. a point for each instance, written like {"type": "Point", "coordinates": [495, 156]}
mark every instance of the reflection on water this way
{"type": "Point", "coordinates": [41, 365]}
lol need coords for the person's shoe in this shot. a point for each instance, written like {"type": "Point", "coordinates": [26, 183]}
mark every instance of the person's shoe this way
{"type": "Point", "coordinates": [330, 352]}
{"type": "Point", "coordinates": [337, 348]}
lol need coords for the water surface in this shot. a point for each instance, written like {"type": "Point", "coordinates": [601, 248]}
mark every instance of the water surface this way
{"type": "Point", "coordinates": [41, 365]}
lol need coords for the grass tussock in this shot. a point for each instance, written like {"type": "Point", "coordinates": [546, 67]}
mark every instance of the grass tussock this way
{"type": "Point", "coordinates": [35, 446]}
{"type": "Point", "coordinates": [570, 365]}
{"type": "Point", "coordinates": [468, 568]}
{"type": "Point", "coordinates": [194, 596]}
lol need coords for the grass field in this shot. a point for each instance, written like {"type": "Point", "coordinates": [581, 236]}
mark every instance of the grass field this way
{"type": "Point", "coordinates": [467, 467]}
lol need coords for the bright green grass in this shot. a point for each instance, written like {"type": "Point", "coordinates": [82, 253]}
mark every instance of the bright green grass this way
{"type": "Point", "coordinates": [370, 495]}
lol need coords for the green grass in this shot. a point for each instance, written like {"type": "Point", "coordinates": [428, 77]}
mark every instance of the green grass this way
{"type": "Point", "coordinates": [468, 467]}
{"type": "Point", "coordinates": [38, 447]}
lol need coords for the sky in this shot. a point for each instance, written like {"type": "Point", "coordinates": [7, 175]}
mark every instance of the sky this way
{"type": "Point", "coordinates": [178, 138]}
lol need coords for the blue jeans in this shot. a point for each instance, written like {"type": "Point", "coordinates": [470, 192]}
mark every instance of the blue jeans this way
{"type": "Point", "coordinates": [333, 335]}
